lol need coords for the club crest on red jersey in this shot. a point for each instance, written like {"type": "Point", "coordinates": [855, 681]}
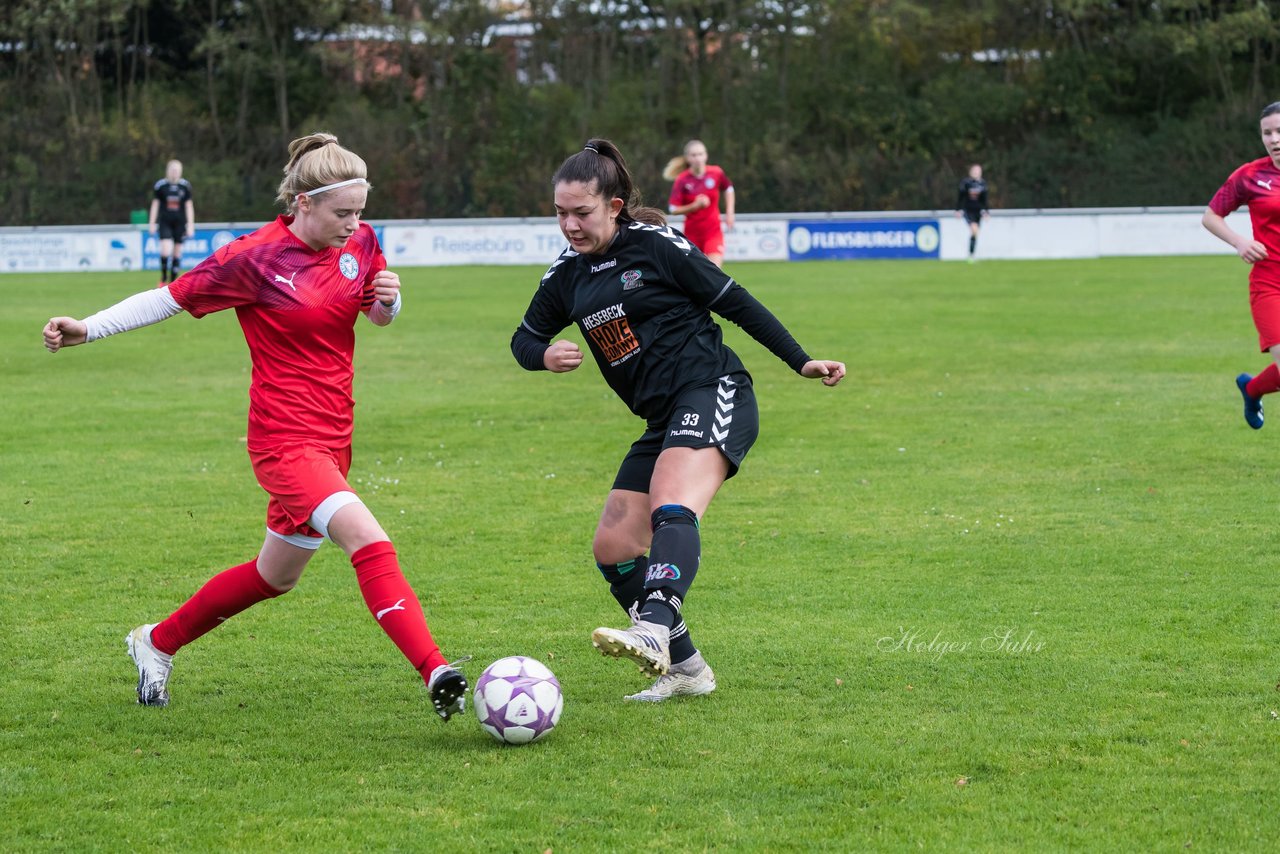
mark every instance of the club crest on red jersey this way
{"type": "Point", "coordinates": [348, 265]}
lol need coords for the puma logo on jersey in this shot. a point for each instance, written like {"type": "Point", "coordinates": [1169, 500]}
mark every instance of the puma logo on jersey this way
{"type": "Point", "coordinates": [288, 281]}
{"type": "Point", "coordinates": [1264, 184]}
{"type": "Point", "coordinates": [399, 606]}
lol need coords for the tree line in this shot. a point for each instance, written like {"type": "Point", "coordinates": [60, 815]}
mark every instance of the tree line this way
{"type": "Point", "coordinates": [466, 107]}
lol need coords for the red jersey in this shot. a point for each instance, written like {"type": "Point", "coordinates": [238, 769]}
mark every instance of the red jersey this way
{"type": "Point", "coordinates": [297, 307]}
{"type": "Point", "coordinates": [687, 187]}
{"type": "Point", "coordinates": [1256, 184]}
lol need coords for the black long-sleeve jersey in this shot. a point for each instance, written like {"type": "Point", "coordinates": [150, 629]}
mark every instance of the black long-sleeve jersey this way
{"type": "Point", "coordinates": [644, 307]}
{"type": "Point", "coordinates": [973, 196]}
{"type": "Point", "coordinates": [173, 196]}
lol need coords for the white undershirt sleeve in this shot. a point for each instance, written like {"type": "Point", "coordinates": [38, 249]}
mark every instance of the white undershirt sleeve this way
{"type": "Point", "coordinates": [381, 314]}
{"type": "Point", "coordinates": [134, 312]}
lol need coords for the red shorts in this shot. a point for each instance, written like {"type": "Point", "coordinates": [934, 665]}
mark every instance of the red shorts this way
{"type": "Point", "coordinates": [298, 478]}
{"type": "Point", "coordinates": [711, 243]}
{"type": "Point", "coordinates": [1264, 301]}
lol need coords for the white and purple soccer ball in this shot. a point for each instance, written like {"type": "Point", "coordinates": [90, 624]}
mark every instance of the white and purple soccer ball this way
{"type": "Point", "coordinates": [517, 700]}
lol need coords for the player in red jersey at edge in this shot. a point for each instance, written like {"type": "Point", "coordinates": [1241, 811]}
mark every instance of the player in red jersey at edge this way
{"type": "Point", "coordinates": [695, 194]}
{"type": "Point", "coordinates": [1257, 184]}
{"type": "Point", "coordinates": [298, 285]}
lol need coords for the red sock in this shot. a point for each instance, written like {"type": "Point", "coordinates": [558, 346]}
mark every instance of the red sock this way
{"type": "Point", "coordinates": [1265, 382]}
{"type": "Point", "coordinates": [395, 606]}
{"type": "Point", "coordinates": [222, 597]}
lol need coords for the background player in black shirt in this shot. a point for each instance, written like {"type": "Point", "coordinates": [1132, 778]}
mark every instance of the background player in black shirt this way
{"type": "Point", "coordinates": [971, 203]}
{"type": "Point", "coordinates": [642, 295]}
{"type": "Point", "coordinates": [173, 216]}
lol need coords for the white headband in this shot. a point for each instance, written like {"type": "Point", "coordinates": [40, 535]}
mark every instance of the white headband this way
{"type": "Point", "coordinates": [327, 187]}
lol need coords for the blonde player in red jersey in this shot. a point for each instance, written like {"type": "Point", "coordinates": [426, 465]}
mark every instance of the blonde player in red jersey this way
{"type": "Point", "coordinates": [1256, 184]}
{"type": "Point", "coordinates": [696, 187]}
{"type": "Point", "coordinates": [298, 285]}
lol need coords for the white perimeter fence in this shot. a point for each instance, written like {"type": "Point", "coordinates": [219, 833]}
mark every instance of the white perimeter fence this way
{"type": "Point", "coordinates": [919, 235]}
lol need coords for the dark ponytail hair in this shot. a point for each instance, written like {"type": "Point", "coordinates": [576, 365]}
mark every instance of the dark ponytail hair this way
{"type": "Point", "coordinates": [1270, 110]}
{"type": "Point", "coordinates": [601, 162]}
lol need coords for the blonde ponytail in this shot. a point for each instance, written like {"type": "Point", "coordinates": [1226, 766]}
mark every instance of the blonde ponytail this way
{"type": "Point", "coordinates": [317, 160]}
{"type": "Point", "coordinates": [674, 167]}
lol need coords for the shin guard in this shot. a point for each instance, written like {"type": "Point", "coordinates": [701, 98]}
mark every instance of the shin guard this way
{"type": "Point", "coordinates": [673, 563]}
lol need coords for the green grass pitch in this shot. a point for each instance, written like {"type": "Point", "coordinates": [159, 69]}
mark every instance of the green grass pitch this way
{"type": "Point", "coordinates": [1009, 587]}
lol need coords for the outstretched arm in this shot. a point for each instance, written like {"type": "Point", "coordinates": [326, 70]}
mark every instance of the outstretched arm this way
{"type": "Point", "coordinates": [739, 306]}
{"type": "Point", "coordinates": [134, 312]}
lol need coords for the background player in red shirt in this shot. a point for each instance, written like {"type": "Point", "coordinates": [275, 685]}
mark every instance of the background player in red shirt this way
{"type": "Point", "coordinates": [695, 194]}
{"type": "Point", "coordinates": [298, 285]}
{"type": "Point", "coordinates": [1257, 184]}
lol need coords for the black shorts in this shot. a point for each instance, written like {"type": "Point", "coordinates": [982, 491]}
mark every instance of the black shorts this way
{"type": "Point", "coordinates": [172, 229]}
{"type": "Point", "coordinates": [972, 217]}
{"type": "Point", "coordinates": [722, 415]}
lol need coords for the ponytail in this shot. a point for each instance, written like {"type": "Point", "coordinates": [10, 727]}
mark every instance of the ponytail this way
{"type": "Point", "coordinates": [674, 167]}
{"type": "Point", "coordinates": [600, 162]}
{"type": "Point", "coordinates": [315, 161]}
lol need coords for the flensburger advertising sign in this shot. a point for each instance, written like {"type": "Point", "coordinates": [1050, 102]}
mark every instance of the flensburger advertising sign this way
{"type": "Point", "coordinates": [809, 240]}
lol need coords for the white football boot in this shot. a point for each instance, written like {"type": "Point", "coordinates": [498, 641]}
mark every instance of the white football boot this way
{"type": "Point", "coordinates": [647, 644]}
{"type": "Point", "coordinates": [690, 678]}
{"type": "Point", "coordinates": [153, 667]}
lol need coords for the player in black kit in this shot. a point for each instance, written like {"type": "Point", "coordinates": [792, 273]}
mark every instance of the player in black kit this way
{"type": "Point", "coordinates": [173, 216]}
{"type": "Point", "coordinates": [971, 203]}
{"type": "Point", "coordinates": [642, 295]}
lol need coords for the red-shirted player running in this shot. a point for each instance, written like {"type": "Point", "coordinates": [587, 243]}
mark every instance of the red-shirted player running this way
{"type": "Point", "coordinates": [695, 193]}
{"type": "Point", "coordinates": [297, 285]}
{"type": "Point", "coordinates": [1257, 184]}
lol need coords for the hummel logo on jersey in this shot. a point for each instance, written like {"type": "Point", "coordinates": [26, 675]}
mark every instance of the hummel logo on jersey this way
{"type": "Point", "coordinates": [666, 231]}
{"type": "Point", "coordinates": [288, 281]}
{"type": "Point", "coordinates": [399, 606]}
{"type": "Point", "coordinates": [564, 256]}
{"type": "Point", "coordinates": [1264, 184]}
{"type": "Point", "coordinates": [613, 262]}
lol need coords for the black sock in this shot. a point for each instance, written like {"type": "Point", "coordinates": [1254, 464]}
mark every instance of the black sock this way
{"type": "Point", "coordinates": [173, 268]}
{"type": "Point", "coordinates": [627, 586]}
{"type": "Point", "coordinates": [673, 563]}
{"type": "Point", "coordinates": [626, 583]}
{"type": "Point", "coordinates": [973, 243]}
{"type": "Point", "coordinates": [164, 268]}
{"type": "Point", "coordinates": [682, 647]}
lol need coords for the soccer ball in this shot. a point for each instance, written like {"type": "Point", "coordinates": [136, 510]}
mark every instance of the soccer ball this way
{"type": "Point", "coordinates": [517, 700]}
